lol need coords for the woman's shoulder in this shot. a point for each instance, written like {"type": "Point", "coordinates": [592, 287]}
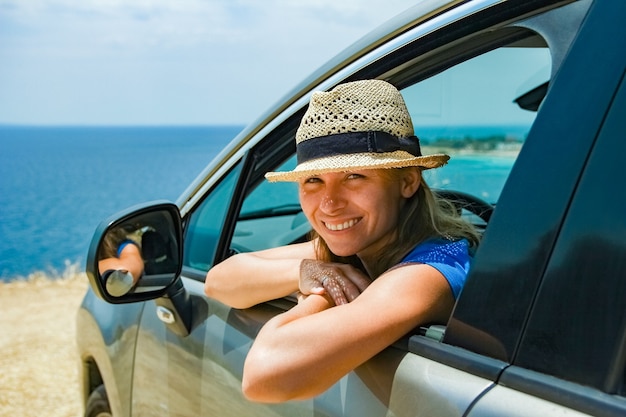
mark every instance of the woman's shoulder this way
{"type": "Point", "coordinates": [437, 249]}
{"type": "Point", "coordinates": [450, 257]}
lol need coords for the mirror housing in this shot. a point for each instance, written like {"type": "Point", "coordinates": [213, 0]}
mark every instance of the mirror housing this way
{"type": "Point", "coordinates": [136, 255]}
{"type": "Point", "coordinates": [531, 100]}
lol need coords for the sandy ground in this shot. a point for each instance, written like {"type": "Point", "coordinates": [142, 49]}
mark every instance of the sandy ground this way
{"type": "Point", "coordinates": [39, 361]}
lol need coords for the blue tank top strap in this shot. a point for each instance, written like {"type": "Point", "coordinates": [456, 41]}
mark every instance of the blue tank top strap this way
{"type": "Point", "coordinates": [122, 245]}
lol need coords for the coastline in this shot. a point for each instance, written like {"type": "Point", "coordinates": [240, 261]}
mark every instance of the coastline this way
{"type": "Point", "coordinates": [38, 342]}
{"type": "Point", "coordinates": [502, 152]}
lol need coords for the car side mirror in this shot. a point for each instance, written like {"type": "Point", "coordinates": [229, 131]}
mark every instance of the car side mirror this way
{"type": "Point", "coordinates": [136, 255]}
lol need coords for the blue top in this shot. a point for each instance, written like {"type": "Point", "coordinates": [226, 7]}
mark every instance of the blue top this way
{"type": "Point", "coordinates": [122, 245]}
{"type": "Point", "coordinates": [451, 258]}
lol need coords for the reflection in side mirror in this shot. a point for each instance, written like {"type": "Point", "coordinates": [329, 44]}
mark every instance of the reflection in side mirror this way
{"type": "Point", "coordinates": [137, 255]}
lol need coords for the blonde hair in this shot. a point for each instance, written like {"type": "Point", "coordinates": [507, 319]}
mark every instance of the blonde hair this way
{"type": "Point", "coordinates": [424, 216]}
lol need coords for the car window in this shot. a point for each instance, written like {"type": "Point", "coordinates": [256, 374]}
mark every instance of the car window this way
{"type": "Point", "coordinates": [270, 216]}
{"type": "Point", "coordinates": [469, 112]}
{"type": "Point", "coordinates": [577, 327]}
{"type": "Point", "coordinates": [206, 222]}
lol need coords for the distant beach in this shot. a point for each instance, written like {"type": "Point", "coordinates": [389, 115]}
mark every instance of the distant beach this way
{"type": "Point", "coordinates": [501, 152]}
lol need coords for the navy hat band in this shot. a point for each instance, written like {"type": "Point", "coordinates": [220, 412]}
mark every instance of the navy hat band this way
{"type": "Point", "coordinates": [355, 142]}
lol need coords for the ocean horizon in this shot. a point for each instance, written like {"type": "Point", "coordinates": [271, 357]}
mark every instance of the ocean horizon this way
{"type": "Point", "coordinates": [57, 183]}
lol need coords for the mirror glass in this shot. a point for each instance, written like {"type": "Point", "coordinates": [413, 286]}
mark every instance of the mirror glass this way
{"type": "Point", "coordinates": [139, 253]}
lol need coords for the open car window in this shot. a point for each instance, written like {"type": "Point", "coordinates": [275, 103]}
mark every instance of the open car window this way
{"type": "Point", "coordinates": [478, 111]}
{"type": "Point", "coordinates": [470, 112]}
{"type": "Point", "coordinates": [270, 216]}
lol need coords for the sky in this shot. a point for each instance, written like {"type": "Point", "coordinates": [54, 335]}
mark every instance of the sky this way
{"type": "Point", "coordinates": [167, 62]}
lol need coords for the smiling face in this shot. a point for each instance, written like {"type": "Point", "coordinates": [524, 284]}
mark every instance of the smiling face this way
{"type": "Point", "coordinates": [356, 212]}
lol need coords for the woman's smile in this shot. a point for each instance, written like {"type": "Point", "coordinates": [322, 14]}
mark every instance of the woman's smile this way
{"type": "Point", "coordinates": [341, 226]}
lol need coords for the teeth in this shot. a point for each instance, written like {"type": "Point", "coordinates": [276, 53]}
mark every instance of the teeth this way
{"type": "Point", "coordinates": [341, 226]}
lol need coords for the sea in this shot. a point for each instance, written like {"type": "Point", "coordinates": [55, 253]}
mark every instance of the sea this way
{"type": "Point", "coordinates": [58, 183]}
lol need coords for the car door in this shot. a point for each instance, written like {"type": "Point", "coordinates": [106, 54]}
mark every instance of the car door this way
{"type": "Point", "coordinates": [570, 358]}
{"type": "Point", "coordinates": [572, 354]}
{"type": "Point", "coordinates": [233, 210]}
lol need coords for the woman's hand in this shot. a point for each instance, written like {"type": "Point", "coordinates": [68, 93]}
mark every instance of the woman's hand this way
{"type": "Point", "coordinates": [341, 282]}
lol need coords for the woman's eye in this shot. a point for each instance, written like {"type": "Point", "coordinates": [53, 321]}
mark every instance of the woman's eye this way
{"type": "Point", "coordinates": [354, 176]}
{"type": "Point", "coordinates": [312, 180]}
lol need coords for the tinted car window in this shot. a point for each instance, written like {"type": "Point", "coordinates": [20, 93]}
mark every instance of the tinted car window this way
{"type": "Point", "coordinates": [206, 222]}
{"type": "Point", "coordinates": [577, 328]}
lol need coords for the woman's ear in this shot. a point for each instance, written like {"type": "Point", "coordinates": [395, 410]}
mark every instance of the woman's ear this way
{"type": "Point", "coordinates": [411, 182]}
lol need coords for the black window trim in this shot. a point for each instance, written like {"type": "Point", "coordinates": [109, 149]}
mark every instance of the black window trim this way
{"type": "Point", "coordinates": [223, 246]}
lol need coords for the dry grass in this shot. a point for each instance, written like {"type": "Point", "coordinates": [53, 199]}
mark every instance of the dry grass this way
{"type": "Point", "coordinates": [39, 360]}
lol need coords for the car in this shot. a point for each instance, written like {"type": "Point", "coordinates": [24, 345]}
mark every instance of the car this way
{"type": "Point", "coordinates": [539, 328]}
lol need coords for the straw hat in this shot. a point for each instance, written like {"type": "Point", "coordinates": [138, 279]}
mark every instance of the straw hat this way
{"type": "Point", "coordinates": [355, 126]}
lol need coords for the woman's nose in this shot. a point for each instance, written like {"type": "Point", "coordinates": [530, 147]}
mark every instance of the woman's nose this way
{"type": "Point", "coordinates": [331, 201]}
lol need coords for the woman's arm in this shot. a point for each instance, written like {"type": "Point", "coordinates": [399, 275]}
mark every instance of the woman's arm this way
{"type": "Point", "coordinates": [246, 279]}
{"type": "Point", "coordinates": [129, 259]}
{"type": "Point", "coordinates": [304, 351]}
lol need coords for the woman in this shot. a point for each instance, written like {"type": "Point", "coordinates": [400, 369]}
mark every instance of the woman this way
{"type": "Point", "coordinates": [387, 255]}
